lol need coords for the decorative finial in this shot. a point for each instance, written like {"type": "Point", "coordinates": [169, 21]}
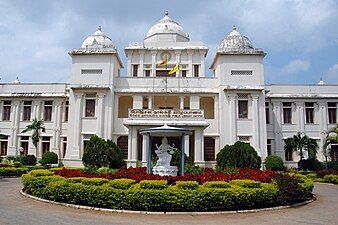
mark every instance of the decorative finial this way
{"type": "Point", "coordinates": [234, 27]}
{"type": "Point", "coordinates": [166, 13]}
{"type": "Point", "coordinates": [99, 28]}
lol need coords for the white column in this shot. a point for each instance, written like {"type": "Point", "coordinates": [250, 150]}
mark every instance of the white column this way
{"type": "Point", "coordinates": [140, 72]}
{"type": "Point", "coordinates": [190, 53]}
{"type": "Point", "coordinates": [150, 102]}
{"type": "Point", "coordinates": [199, 147]}
{"type": "Point", "coordinates": [77, 126]}
{"type": "Point", "coordinates": [262, 125]}
{"type": "Point", "coordinates": [57, 128]}
{"type": "Point", "coordinates": [194, 102]}
{"type": "Point", "coordinates": [178, 60]}
{"type": "Point", "coordinates": [144, 150]}
{"type": "Point", "coordinates": [233, 118]}
{"type": "Point", "coordinates": [15, 117]}
{"type": "Point", "coordinates": [132, 147]}
{"type": "Point", "coordinates": [202, 68]}
{"type": "Point", "coordinates": [100, 114]}
{"type": "Point", "coordinates": [323, 126]}
{"type": "Point", "coordinates": [300, 117]}
{"type": "Point", "coordinates": [277, 125]}
{"type": "Point", "coordinates": [186, 144]}
{"type": "Point", "coordinates": [181, 100]}
{"type": "Point", "coordinates": [153, 63]}
{"type": "Point", "coordinates": [137, 102]}
{"type": "Point", "coordinates": [255, 122]}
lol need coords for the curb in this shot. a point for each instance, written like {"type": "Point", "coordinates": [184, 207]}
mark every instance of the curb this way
{"type": "Point", "coordinates": [166, 213]}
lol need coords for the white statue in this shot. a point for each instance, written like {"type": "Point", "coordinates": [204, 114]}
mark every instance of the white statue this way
{"type": "Point", "coordinates": [164, 153]}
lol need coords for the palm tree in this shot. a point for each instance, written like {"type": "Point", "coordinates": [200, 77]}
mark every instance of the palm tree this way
{"type": "Point", "coordinates": [301, 143]}
{"type": "Point", "coordinates": [330, 138]}
{"type": "Point", "coordinates": [37, 127]}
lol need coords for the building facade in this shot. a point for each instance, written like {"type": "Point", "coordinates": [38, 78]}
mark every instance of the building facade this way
{"type": "Point", "coordinates": [232, 104]}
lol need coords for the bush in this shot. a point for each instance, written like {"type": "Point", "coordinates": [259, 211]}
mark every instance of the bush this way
{"type": "Point", "coordinates": [238, 155]}
{"type": "Point", "coordinates": [330, 179]}
{"type": "Point", "coordinates": [154, 184]}
{"type": "Point", "coordinates": [190, 185]}
{"type": "Point", "coordinates": [122, 183]}
{"type": "Point", "coordinates": [105, 170]}
{"type": "Point", "coordinates": [88, 181]}
{"type": "Point", "coordinates": [332, 165]}
{"type": "Point", "coordinates": [49, 158]}
{"type": "Point", "coordinates": [118, 161]}
{"type": "Point", "coordinates": [216, 184]}
{"type": "Point", "coordinates": [310, 164]}
{"type": "Point", "coordinates": [10, 171]}
{"type": "Point", "coordinates": [176, 159]}
{"type": "Point", "coordinates": [98, 153]}
{"type": "Point", "coordinates": [246, 183]}
{"type": "Point", "coordinates": [28, 160]}
{"type": "Point", "coordinates": [193, 169]}
{"type": "Point", "coordinates": [41, 173]}
{"type": "Point", "coordinates": [274, 162]}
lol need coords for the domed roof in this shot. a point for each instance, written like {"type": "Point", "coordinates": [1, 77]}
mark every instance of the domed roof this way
{"type": "Point", "coordinates": [235, 41]}
{"type": "Point", "coordinates": [16, 81]}
{"type": "Point", "coordinates": [98, 40]}
{"type": "Point", "coordinates": [166, 25]}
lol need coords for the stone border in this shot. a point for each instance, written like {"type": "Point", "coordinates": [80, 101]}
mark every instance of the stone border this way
{"type": "Point", "coordinates": [165, 213]}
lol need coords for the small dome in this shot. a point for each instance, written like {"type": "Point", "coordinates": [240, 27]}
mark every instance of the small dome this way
{"type": "Point", "coordinates": [98, 40]}
{"type": "Point", "coordinates": [16, 81]}
{"type": "Point", "coordinates": [235, 41]}
{"type": "Point", "coordinates": [321, 82]}
{"type": "Point", "coordinates": [166, 26]}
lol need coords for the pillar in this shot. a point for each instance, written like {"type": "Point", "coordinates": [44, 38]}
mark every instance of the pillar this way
{"type": "Point", "coordinates": [15, 117]}
{"type": "Point", "coordinates": [129, 72]}
{"type": "Point", "coordinates": [232, 118]}
{"type": "Point", "coordinates": [57, 128]}
{"type": "Point", "coordinates": [199, 147]}
{"type": "Point", "coordinates": [255, 122]}
{"type": "Point", "coordinates": [145, 146]}
{"type": "Point", "coordinates": [132, 147]}
{"type": "Point", "coordinates": [279, 147]}
{"type": "Point", "coordinates": [202, 68]}
{"type": "Point", "coordinates": [181, 102]}
{"type": "Point", "coordinates": [77, 126]}
{"type": "Point", "coordinates": [186, 144]}
{"type": "Point", "coordinates": [100, 114]}
{"type": "Point", "coordinates": [153, 63]}
{"type": "Point", "coordinates": [190, 53]}
{"type": "Point", "coordinates": [140, 71]}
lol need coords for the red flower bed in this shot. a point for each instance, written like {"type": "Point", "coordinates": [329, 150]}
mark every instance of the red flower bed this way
{"type": "Point", "coordinates": [140, 173]}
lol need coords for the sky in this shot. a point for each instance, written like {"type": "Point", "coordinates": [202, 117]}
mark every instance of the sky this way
{"type": "Point", "coordinates": [299, 37]}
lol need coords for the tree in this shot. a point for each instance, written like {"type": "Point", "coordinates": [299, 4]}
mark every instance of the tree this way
{"type": "Point", "coordinates": [330, 138]}
{"type": "Point", "coordinates": [98, 153]}
{"type": "Point", "coordinates": [118, 161]}
{"type": "Point", "coordinates": [238, 155]}
{"type": "Point", "coordinates": [37, 127]}
{"type": "Point", "coordinates": [300, 143]}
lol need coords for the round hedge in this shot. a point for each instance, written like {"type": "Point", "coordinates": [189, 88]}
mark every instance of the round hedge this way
{"type": "Point", "coordinates": [156, 195]}
{"type": "Point", "coordinates": [274, 162]}
{"type": "Point", "coordinates": [49, 158]}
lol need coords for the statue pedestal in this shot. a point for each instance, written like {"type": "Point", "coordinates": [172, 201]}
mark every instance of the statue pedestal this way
{"type": "Point", "coordinates": [165, 170]}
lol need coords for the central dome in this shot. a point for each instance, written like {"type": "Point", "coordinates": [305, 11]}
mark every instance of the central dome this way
{"type": "Point", "coordinates": [235, 41]}
{"type": "Point", "coordinates": [167, 26]}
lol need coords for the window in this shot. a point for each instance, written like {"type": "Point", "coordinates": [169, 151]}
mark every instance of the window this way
{"type": "Point", "coordinates": [91, 72]}
{"type": "Point", "coordinates": [145, 102]}
{"type": "Point", "coordinates": [184, 69]}
{"type": "Point", "coordinates": [332, 111]}
{"type": "Point", "coordinates": [241, 72]}
{"type": "Point", "coordinates": [309, 112]}
{"type": "Point", "coordinates": [186, 102]}
{"type": "Point", "coordinates": [90, 105]}
{"type": "Point", "coordinates": [135, 70]}
{"type": "Point", "coordinates": [47, 115]}
{"type": "Point", "coordinates": [334, 152]}
{"type": "Point", "coordinates": [125, 103]}
{"type": "Point", "coordinates": [45, 144]}
{"type": "Point", "coordinates": [184, 73]}
{"type": "Point", "coordinates": [24, 143]}
{"type": "Point", "coordinates": [3, 145]}
{"type": "Point", "coordinates": [196, 70]}
{"type": "Point", "coordinates": [288, 155]}
{"type": "Point", "coordinates": [287, 112]}
{"type": "Point", "coordinates": [209, 149]}
{"type": "Point", "coordinates": [27, 108]}
{"type": "Point", "coordinates": [242, 109]}
{"type": "Point", "coordinates": [269, 146]}
{"type": "Point", "coordinates": [66, 111]}
{"type": "Point", "coordinates": [207, 104]}
{"type": "Point", "coordinates": [147, 70]}
{"type": "Point", "coordinates": [6, 113]}
{"type": "Point", "coordinates": [122, 142]}
{"type": "Point", "coordinates": [147, 73]}
{"type": "Point", "coordinates": [64, 146]}
{"type": "Point", "coordinates": [267, 112]}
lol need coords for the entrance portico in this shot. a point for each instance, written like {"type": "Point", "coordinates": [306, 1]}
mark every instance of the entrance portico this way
{"type": "Point", "coordinates": [149, 118]}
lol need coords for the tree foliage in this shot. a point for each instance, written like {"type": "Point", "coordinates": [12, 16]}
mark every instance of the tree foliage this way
{"type": "Point", "coordinates": [238, 155]}
{"type": "Point", "coordinates": [100, 152]}
{"type": "Point", "coordinates": [300, 143]}
{"type": "Point", "coordinates": [330, 138]}
{"type": "Point", "coordinates": [274, 162]}
{"type": "Point", "coordinates": [36, 127]}
{"type": "Point", "coordinates": [49, 158]}
{"type": "Point", "coordinates": [118, 161]}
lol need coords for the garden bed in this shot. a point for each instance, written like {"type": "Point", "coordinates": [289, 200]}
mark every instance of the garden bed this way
{"type": "Point", "coordinates": [165, 195]}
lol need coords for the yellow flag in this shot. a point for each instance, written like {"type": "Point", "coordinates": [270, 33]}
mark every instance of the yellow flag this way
{"type": "Point", "coordinates": [175, 69]}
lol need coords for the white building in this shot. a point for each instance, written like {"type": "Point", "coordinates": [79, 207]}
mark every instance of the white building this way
{"type": "Point", "coordinates": [232, 104]}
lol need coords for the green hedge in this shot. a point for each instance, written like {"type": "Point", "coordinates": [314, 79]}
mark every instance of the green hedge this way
{"type": "Point", "coordinates": [157, 195]}
{"type": "Point", "coordinates": [12, 171]}
{"type": "Point", "coordinates": [331, 179]}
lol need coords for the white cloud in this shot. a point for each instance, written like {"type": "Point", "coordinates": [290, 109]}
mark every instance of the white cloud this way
{"type": "Point", "coordinates": [331, 75]}
{"type": "Point", "coordinates": [296, 66]}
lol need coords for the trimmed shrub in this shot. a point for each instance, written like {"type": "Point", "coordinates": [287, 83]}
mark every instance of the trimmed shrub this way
{"type": "Point", "coordinates": [246, 183]}
{"type": "Point", "coordinates": [49, 158]}
{"type": "Point", "coordinates": [41, 173]}
{"type": "Point", "coordinates": [98, 153]}
{"type": "Point", "coordinates": [88, 181]}
{"type": "Point", "coordinates": [28, 160]}
{"type": "Point", "coordinates": [310, 164]}
{"type": "Point", "coordinates": [274, 162]}
{"type": "Point", "coordinates": [190, 185]}
{"type": "Point", "coordinates": [193, 169]}
{"type": "Point", "coordinates": [12, 171]}
{"type": "Point", "coordinates": [216, 184]}
{"type": "Point", "coordinates": [118, 161]}
{"type": "Point", "coordinates": [122, 183]}
{"type": "Point", "coordinates": [154, 184]}
{"type": "Point", "coordinates": [238, 155]}
{"type": "Point", "coordinates": [330, 179]}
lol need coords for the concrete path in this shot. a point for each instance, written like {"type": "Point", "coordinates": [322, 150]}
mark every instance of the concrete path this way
{"type": "Point", "coordinates": [17, 209]}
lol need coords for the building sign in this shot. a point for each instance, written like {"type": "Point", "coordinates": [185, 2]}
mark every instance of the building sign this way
{"type": "Point", "coordinates": [189, 114]}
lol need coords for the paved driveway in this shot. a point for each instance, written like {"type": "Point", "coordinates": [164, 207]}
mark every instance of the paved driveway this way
{"type": "Point", "coordinates": [17, 209]}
